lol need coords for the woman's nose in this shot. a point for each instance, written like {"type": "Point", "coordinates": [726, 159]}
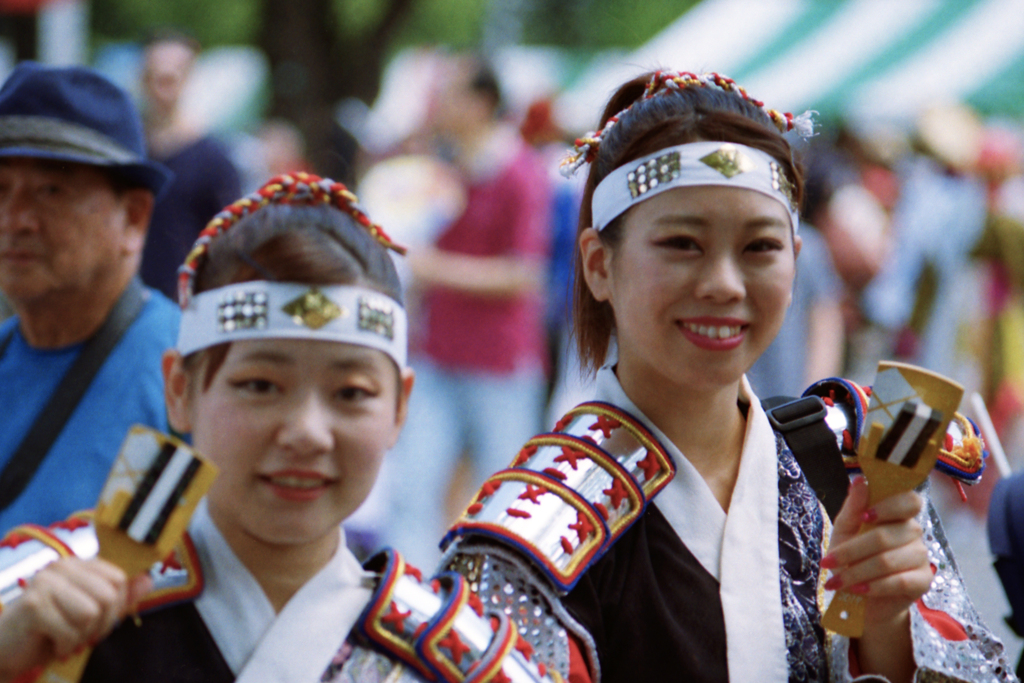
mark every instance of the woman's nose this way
{"type": "Point", "coordinates": [721, 280]}
{"type": "Point", "coordinates": [307, 427]}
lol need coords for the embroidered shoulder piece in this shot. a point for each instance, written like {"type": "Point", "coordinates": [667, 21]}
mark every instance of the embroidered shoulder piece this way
{"type": "Point", "coordinates": [961, 457]}
{"type": "Point", "coordinates": [571, 493]}
{"type": "Point", "coordinates": [178, 578]}
{"type": "Point", "coordinates": [442, 630]}
{"type": "Point", "coordinates": [28, 548]}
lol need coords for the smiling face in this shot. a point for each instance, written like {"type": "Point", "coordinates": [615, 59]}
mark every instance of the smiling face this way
{"type": "Point", "coordinates": [699, 286]}
{"type": "Point", "coordinates": [298, 429]}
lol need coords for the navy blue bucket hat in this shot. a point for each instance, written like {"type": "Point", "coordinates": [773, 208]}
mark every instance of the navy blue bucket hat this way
{"type": "Point", "coordinates": [75, 114]}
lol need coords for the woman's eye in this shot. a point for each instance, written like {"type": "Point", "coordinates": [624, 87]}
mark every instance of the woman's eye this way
{"type": "Point", "coordinates": [354, 393]}
{"type": "Point", "coordinates": [764, 245]}
{"type": "Point", "coordinates": [256, 386]}
{"type": "Point", "coordinates": [679, 242]}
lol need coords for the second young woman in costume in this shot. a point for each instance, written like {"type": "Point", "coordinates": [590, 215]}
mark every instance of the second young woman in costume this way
{"type": "Point", "coordinates": [290, 374]}
{"type": "Point", "coordinates": [688, 239]}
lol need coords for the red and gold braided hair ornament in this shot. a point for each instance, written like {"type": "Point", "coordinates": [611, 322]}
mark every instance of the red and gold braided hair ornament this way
{"type": "Point", "coordinates": [292, 188]}
{"type": "Point", "coordinates": [586, 147]}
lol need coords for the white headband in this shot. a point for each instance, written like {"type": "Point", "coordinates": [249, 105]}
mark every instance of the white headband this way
{"type": "Point", "coordinates": [282, 310]}
{"type": "Point", "coordinates": [697, 163]}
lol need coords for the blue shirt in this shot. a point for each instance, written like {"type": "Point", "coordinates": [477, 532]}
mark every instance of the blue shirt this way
{"type": "Point", "coordinates": [128, 389]}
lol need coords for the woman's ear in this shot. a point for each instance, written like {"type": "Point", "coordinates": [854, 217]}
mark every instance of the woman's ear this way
{"type": "Point", "coordinates": [176, 391]}
{"type": "Point", "coordinates": [408, 378]}
{"type": "Point", "coordinates": [595, 259]}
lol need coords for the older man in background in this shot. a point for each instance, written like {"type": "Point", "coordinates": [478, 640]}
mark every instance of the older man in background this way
{"type": "Point", "coordinates": [79, 360]}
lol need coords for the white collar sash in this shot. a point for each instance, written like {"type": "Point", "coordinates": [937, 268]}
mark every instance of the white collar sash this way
{"type": "Point", "coordinates": [283, 648]}
{"type": "Point", "coordinates": [741, 549]}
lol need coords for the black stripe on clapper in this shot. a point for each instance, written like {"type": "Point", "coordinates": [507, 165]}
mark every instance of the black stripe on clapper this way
{"type": "Point", "coordinates": [172, 501]}
{"type": "Point", "coordinates": [898, 431]}
{"type": "Point", "coordinates": [146, 485]}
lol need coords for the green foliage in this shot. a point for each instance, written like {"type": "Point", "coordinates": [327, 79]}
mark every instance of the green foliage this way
{"type": "Point", "coordinates": [213, 22]}
{"type": "Point", "coordinates": [458, 23]}
{"type": "Point", "coordinates": [582, 24]}
{"type": "Point", "coordinates": [598, 24]}
{"type": "Point", "coordinates": [356, 17]}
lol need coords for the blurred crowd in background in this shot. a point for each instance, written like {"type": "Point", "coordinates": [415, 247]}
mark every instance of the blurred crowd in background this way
{"type": "Point", "coordinates": [918, 221]}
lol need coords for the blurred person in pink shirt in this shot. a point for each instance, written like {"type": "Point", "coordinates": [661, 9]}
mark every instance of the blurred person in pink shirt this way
{"type": "Point", "coordinates": [480, 352]}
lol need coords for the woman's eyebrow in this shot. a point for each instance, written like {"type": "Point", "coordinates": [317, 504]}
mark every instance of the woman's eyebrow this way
{"type": "Point", "coordinates": [268, 356]}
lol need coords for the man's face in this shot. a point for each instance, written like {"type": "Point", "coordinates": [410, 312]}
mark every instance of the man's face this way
{"type": "Point", "coordinates": [165, 72]}
{"type": "Point", "coordinates": [63, 229]}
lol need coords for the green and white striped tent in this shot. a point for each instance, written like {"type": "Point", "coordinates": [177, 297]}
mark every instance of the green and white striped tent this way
{"type": "Point", "coordinates": [862, 59]}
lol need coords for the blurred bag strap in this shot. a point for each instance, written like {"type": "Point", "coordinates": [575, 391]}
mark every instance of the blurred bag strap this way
{"type": "Point", "coordinates": [801, 422]}
{"type": "Point", "coordinates": [50, 421]}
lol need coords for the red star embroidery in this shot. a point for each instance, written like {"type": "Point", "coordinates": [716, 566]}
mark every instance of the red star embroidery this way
{"type": "Point", "coordinates": [566, 545]}
{"type": "Point", "coordinates": [556, 473]}
{"type": "Point", "coordinates": [582, 527]}
{"type": "Point", "coordinates": [521, 514]}
{"type": "Point", "coordinates": [414, 572]}
{"type": "Point", "coordinates": [847, 440]}
{"type": "Point", "coordinates": [602, 509]}
{"type": "Point", "coordinates": [454, 645]}
{"type": "Point", "coordinates": [563, 423]}
{"type": "Point", "coordinates": [419, 630]}
{"type": "Point", "coordinates": [396, 617]}
{"type": "Point", "coordinates": [435, 585]}
{"type": "Point", "coordinates": [71, 523]}
{"type": "Point", "coordinates": [14, 539]}
{"type": "Point", "coordinates": [606, 425]}
{"type": "Point", "coordinates": [500, 677]}
{"type": "Point", "coordinates": [474, 508]}
{"type": "Point", "coordinates": [532, 493]}
{"type": "Point", "coordinates": [650, 466]}
{"type": "Point", "coordinates": [525, 454]}
{"type": "Point", "coordinates": [616, 493]}
{"type": "Point", "coordinates": [475, 603]}
{"type": "Point", "coordinates": [489, 488]}
{"type": "Point", "coordinates": [867, 391]}
{"type": "Point", "coordinates": [524, 647]}
{"type": "Point", "coordinates": [571, 456]}
{"type": "Point", "coordinates": [170, 562]}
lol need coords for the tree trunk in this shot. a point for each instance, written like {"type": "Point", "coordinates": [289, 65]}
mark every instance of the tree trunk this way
{"type": "Point", "coordinates": [314, 65]}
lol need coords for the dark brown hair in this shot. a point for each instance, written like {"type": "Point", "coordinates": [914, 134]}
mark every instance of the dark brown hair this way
{"type": "Point", "coordinates": [316, 245]}
{"type": "Point", "coordinates": [672, 117]}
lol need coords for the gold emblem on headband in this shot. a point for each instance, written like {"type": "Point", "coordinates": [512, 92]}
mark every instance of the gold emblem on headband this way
{"type": "Point", "coordinates": [729, 161]}
{"type": "Point", "coordinates": [780, 182]}
{"type": "Point", "coordinates": [647, 176]}
{"type": "Point", "coordinates": [377, 316]}
{"type": "Point", "coordinates": [313, 309]}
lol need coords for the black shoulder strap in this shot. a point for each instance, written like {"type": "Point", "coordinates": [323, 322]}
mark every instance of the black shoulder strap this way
{"type": "Point", "coordinates": [52, 418]}
{"type": "Point", "coordinates": [801, 422]}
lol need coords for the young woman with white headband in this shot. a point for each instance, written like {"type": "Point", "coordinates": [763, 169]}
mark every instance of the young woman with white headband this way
{"type": "Point", "coordinates": [688, 240]}
{"type": "Point", "coordinates": [290, 375]}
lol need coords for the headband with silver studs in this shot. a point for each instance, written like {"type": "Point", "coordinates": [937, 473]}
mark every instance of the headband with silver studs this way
{"type": "Point", "coordinates": [697, 163]}
{"type": "Point", "coordinates": [284, 310]}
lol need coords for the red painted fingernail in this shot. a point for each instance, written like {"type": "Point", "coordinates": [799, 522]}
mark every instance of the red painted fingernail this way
{"type": "Point", "coordinates": [869, 516]}
{"type": "Point", "coordinates": [829, 562]}
{"type": "Point", "coordinates": [859, 588]}
{"type": "Point", "coordinates": [834, 584]}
